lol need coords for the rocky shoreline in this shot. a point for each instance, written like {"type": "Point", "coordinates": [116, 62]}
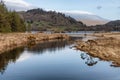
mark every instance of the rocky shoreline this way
{"type": "Point", "coordinates": [105, 47]}
{"type": "Point", "coordinates": [10, 41]}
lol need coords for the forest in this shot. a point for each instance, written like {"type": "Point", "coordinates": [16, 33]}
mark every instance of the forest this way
{"type": "Point", "coordinates": [10, 21]}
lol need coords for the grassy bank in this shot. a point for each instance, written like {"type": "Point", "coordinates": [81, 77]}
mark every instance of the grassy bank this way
{"type": "Point", "coordinates": [105, 47]}
{"type": "Point", "coordinates": [10, 41]}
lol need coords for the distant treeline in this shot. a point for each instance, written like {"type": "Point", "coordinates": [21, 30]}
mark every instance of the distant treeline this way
{"type": "Point", "coordinates": [10, 21]}
{"type": "Point", "coordinates": [110, 26]}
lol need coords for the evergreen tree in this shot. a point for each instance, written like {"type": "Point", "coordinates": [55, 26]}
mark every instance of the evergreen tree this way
{"type": "Point", "coordinates": [10, 21]}
{"type": "Point", "coordinates": [15, 22]}
{"type": "Point", "coordinates": [4, 21]}
{"type": "Point", "coordinates": [4, 24]}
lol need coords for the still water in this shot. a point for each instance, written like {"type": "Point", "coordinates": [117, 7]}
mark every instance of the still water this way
{"type": "Point", "coordinates": [54, 60]}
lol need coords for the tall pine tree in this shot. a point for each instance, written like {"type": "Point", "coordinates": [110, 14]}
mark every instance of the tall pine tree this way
{"type": "Point", "coordinates": [17, 23]}
{"type": "Point", "coordinates": [10, 21]}
{"type": "Point", "coordinates": [4, 21]}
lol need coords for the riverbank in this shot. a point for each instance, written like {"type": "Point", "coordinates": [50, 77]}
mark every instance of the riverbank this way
{"type": "Point", "coordinates": [106, 47]}
{"type": "Point", "coordinates": [10, 41]}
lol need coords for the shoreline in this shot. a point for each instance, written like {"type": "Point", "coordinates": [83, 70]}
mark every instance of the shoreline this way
{"type": "Point", "coordinates": [10, 41]}
{"type": "Point", "coordinates": [105, 47]}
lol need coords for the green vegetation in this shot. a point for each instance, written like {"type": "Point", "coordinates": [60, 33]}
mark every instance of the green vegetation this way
{"type": "Point", "coordinates": [41, 20]}
{"type": "Point", "coordinates": [10, 21]}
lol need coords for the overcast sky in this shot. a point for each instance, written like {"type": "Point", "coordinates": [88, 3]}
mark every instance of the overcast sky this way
{"type": "Point", "coordinates": [109, 9]}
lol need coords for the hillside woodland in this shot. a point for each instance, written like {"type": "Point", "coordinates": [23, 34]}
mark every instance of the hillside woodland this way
{"type": "Point", "coordinates": [10, 21]}
{"type": "Point", "coordinates": [42, 20]}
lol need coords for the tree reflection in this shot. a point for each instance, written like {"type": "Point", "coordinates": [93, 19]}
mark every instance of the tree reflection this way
{"type": "Point", "coordinates": [90, 61]}
{"type": "Point", "coordinates": [7, 57]}
{"type": "Point", "coordinates": [13, 55]}
{"type": "Point", "coordinates": [48, 46]}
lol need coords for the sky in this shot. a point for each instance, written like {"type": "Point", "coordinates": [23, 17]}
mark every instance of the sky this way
{"type": "Point", "coordinates": [108, 9]}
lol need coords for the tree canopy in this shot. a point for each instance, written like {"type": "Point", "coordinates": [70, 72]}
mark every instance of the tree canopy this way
{"type": "Point", "coordinates": [10, 21]}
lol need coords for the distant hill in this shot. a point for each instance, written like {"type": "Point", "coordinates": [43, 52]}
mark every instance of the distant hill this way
{"type": "Point", "coordinates": [40, 19]}
{"type": "Point", "coordinates": [110, 26]}
{"type": "Point", "coordinates": [88, 19]}
{"type": "Point", "coordinates": [113, 23]}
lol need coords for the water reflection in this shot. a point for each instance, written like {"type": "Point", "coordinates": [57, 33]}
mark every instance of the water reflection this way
{"type": "Point", "coordinates": [90, 61]}
{"type": "Point", "coordinates": [48, 46]}
{"type": "Point", "coordinates": [9, 57]}
{"type": "Point", "coordinates": [20, 54]}
{"type": "Point", "coordinates": [15, 55]}
{"type": "Point", "coordinates": [63, 65]}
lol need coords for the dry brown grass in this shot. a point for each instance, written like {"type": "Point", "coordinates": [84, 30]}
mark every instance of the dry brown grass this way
{"type": "Point", "coordinates": [105, 47]}
{"type": "Point", "coordinates": [12, 40]}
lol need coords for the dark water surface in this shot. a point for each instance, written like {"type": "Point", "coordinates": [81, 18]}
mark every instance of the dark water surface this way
{"type": "Point", "coordinates": [54, 60]}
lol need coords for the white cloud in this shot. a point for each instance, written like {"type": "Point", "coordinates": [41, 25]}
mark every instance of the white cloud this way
{"type": "Point", "coordinates": [18, 5]}
{"type": "Point", "coordinates": [77, 12]}
{"type": "Point", "coordinates": [21, 5]}
{"type": "Point", "coordinates": [24, 56]}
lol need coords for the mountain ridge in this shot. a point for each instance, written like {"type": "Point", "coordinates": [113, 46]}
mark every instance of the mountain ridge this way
{"type": "Point", "coordinates": [47, 20]}
{"type": "Point", "coordinates": [42, 20]}
{"type": "Point", "coordinates": [88, 18]}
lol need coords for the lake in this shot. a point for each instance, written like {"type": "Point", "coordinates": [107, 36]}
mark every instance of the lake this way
{"type": "Point", "coordinates": [54, 60]}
